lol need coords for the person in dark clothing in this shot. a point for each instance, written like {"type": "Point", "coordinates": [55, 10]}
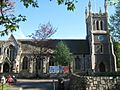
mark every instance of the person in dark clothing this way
{"type": "Point", "coordinates": [60, 84]}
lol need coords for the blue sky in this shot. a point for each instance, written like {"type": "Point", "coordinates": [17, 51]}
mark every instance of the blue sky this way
{"type": "Point", "coordinates": [69, 24]}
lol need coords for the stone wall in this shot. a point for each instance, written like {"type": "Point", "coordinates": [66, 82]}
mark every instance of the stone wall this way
{"type": "Point", "coordinates": [94, 83]}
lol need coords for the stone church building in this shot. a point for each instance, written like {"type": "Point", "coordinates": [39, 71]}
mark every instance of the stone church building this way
{"type": "Point", "coordinates": [93, 54]}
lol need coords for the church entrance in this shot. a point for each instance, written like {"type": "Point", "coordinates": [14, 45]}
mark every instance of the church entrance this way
{"type": "Point", "coordinates": [102, 67]}
{"type": "Point", "coordinates": [6, 67]}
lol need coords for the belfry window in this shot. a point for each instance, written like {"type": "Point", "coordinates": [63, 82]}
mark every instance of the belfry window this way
{"type": "Point", "coordinates": [101, 25]}
{"type": "Point", "coordinates": [97, 25]}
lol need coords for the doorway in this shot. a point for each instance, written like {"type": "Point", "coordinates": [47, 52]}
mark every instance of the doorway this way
{"type": "Point", "coordinates": [102, 67]}
{"type": "Point", "coordinates": [6, 67]}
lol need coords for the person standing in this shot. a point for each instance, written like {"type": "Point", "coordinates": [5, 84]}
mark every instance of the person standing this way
{"type": "Point", "coordinates": [3, 79]}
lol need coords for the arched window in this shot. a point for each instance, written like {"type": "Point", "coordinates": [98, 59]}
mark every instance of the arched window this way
{"type": "Point", "coordinates": [101, 25]}
{"type": "Point", "coordinates": [51, 61]}
{"type": "Point", "coordinates": [11, 52]}
{"type": "Point", "coordinates": [97, 25]}
{"type": "Point", "coordinates": [102, 67]}
{"type": "Point", "coordinates": [8, 52]}
{"type": "Point", "coordinates": [77, 63]}
{"type": "Point", "coordinates": [25, 64]}
{"type": "Point", "coordinates": [38, 63]}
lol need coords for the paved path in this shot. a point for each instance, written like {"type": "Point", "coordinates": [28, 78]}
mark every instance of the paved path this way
{"type": "Point", "coordinates": [25, 84]}
{"type": "Point", "coordinates": [14, 88]}
{"type": "Point", "coordinates": [19, 88]}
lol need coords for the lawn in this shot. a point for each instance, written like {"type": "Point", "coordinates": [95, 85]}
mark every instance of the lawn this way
{"type": "Point", "coordinates": [5, 86]}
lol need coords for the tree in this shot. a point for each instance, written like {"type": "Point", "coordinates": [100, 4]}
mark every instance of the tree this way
{"type": "Point", "coordinates": [117, 52]}
{"type": "Point", "coordinates": [62, 54]}
{"type": "Point", "coordinates": [9, 22]}
{"type": "Point", "coordinates": [115, 31]}
{"type": "Point", "coordinates": [115, 23]}
{"type": "Point", "coordinates": [41, 43]}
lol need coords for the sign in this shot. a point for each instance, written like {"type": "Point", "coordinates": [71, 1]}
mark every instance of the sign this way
{"type": "Point", "coordinates": [53, 69]}
{"type": "Point", "coordinates": [61, 69]}
{"type": "Point", "coordinates": [58, 69]}
{"type": "Point", "coordinates": [66, 69]}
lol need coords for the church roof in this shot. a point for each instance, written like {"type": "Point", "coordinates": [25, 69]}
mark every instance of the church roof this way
{"type": "Point", "coordinates": [76, 46]}
{"type": "Point", "coordinates": [11, 38]}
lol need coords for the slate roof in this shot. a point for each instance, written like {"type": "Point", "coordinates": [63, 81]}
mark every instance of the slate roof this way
{"type": "Point", "coordinates": [76, 46]}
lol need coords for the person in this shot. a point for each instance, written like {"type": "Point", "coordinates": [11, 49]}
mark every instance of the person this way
{"type": "Point", "coordinates": [15, 80]}
{"type": "Point", "coordinates": [60, 84]}
{"type": "Point", "coordinates": [3, 79]}
{"type": "Point", "coordinates": [10, 79]}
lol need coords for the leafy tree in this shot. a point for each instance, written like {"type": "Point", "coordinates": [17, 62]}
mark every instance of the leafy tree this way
{"type": "Point", "coordinates": [115, 31]}
{"type": "Point", "coordinates": [112, 2]}
{"type": "Point", "coordinates": [9, 22]}
{"type": "Point", "coordinates": [117, 52]}
{"type": "Point", "coordinates": [115, 23]}
{"type": "Point", "coordinates": [69, 3]}
{"type": "Point", "coordinates": [62, 54]}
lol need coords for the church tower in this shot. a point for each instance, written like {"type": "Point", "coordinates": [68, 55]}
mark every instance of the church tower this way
{"type": "Point", "coordinates": [101, 47]}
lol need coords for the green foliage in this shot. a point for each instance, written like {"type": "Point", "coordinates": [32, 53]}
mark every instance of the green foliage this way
{"type": "Point", "coordinates": [27, 3]}
{"type": "Point", "coordinates": [115, 23]}
{"type": "Point", "coordinates": [5, 86]}
{"type": "Point", "coordinates": [112, 2]}
{"type": "Point", "coordinates": [70, 4]}
{"type": "Point", "coordinates": [117, 52]}
{"type": "Point", "coordinates": [62, 54]}
{"type": "Point", "coordinates": [115, 31]}
{"type": "Point", "coordinates": [8, 21]}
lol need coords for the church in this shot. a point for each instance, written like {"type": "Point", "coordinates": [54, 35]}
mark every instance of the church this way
{"type": "Point", "coordinates": [93, 54]}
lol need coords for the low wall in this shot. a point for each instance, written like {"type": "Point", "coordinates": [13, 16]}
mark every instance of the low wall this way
{"type": "Point", "coordinates": [94, 83]}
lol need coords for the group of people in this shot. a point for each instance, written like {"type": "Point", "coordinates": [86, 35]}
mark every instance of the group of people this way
{"type": "Point", "coordinates": [9, 79]}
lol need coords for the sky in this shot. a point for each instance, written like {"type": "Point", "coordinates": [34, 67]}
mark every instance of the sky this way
{"type": "Point", "coordinates": [69, 24]}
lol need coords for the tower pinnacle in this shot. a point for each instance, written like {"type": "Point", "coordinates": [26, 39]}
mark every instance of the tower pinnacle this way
{"type": "Point", "coordinates": [86, 12]}
{"type": "Point", "coordinates": [89, 5]}
{"type": "Point", "coordinates": [105, 6]}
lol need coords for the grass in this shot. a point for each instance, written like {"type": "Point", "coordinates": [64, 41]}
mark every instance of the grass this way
{"type": "Point", "coordinates": [5, 86]}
